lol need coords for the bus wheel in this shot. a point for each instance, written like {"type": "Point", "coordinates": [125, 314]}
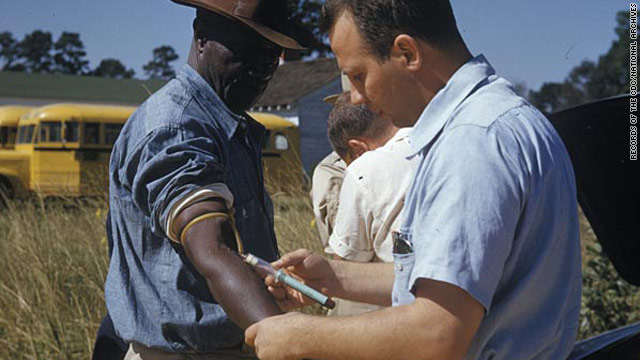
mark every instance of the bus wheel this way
{"type": "Point", "coordinates": [6, 191]}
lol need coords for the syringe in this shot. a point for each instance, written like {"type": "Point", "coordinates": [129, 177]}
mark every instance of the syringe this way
{"type": "Point", "coordinates": [265, 268]}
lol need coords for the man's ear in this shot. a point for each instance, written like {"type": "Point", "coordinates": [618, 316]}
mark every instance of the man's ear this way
{"type": "Point", "coordinates": [201, 42]}
{"type": "Point", "coordinates": [198, 37]}
{"type": "Point", "coordinates": [358, 147]}
{"type": "Point", "coordinates": [406, 49]}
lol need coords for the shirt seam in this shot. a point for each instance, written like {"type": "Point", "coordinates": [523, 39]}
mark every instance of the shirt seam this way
{"type": "Point", "coordinates": [182, 116]}
{"type": "Point", "coordinates": [498, 122]}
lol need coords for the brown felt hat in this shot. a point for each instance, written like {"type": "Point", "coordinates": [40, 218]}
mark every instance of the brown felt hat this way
{"type": "Point", "coordinates": [346, 86]}
{"type": "Point", "coordinates": [267, 17]}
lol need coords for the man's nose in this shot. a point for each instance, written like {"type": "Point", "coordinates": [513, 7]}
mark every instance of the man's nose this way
{"type": "Point", "coordinates": [357, 97]}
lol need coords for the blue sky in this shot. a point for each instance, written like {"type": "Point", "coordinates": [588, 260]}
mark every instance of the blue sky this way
{"type": "Point", "coordinates": [530, 41]}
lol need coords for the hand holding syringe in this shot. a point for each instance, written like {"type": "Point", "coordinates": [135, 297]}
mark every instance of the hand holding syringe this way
{"type": "Point", "coordinates": [266, 268]}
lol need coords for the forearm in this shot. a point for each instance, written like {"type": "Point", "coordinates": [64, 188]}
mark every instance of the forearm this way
{"type": "Point", "coordinates": [237, 289]}
{"type": "Point", "coordinates": [365, 282]}
{"type": "Point", "coordinates": [402, 332]}
{"type": "Point", "coordinates": [439, 324]}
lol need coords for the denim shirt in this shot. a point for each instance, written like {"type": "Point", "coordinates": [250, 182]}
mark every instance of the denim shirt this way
{"type": "Point", "coordinates": [181, 139]}
{"type": "Point", "coordinates": [492, 210]}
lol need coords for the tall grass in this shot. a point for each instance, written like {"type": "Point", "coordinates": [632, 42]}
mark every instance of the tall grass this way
{"type": "Point", "coordinates": [53, 258]}
{"type": "Point", "coordinates": [53, 261]}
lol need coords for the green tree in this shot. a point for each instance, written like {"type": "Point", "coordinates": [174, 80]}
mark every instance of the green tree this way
{"type": "Point", "coordinates": [8, 52]}
{"type": "Point", "coordinates": [590, 80]}
{"type": "Point", "coordinates": [69, 55]}
{"type": "Point", "coordinates": [34, 51]}
{"type": "Point", "coordinates": [308, 13]}
{"type": "Point", "coordinates": [160, 66]}
{"type": "Point", "coordinates": [611, 75]}
{"type": "Point", "coordinates": [113, 68]}
{"type": "Point", "coordinates": [608, 302]}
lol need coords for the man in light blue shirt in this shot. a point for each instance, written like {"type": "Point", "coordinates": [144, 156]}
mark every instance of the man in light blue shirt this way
{"type": "Point", "coordinates": [492, 210]}
{"type": "Point", "coordinates": [487, 263]}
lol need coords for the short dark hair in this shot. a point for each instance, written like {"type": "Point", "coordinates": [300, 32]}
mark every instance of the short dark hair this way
{"type": "Point", "coordinates": [381, 21]}
{"type": "Point", "coordinates": [348, 121]}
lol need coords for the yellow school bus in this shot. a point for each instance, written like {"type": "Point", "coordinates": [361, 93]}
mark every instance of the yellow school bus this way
{"type": "Point", "coordinates": [9, 116]}
{"type": "Point", "coordinates": [63, 149]}
{"type": "Point", "coordinates": [281, 152]}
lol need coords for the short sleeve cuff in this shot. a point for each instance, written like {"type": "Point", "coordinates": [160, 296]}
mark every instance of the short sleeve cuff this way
{"type": "Point", "coordinates": [219, 190]}
{"type": "Point", "coordinates": [344, 251]}
{"type": "Point", "coordinates": [328, 250]}
{"type": "Point", "coordinates": [446, 275]}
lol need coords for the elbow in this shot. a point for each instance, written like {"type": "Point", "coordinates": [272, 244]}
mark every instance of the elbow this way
{"type": "Point", "coordinates": [442, 336]}
{"type": "Point", "coordinates": [443, 349]}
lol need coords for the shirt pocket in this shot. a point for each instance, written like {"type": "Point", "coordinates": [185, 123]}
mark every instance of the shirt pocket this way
{"type": "Point", "coordinates": [402, 266]}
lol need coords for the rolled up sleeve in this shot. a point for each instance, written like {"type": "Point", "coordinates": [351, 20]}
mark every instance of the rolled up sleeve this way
{"type": "Point", "coordinates": [169, 165]}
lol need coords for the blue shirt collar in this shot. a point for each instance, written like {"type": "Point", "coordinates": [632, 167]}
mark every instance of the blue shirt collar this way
{"type": "Point", "coordinates": [205, 94]}
{"type": "Point", "coordinates": [435, 116]}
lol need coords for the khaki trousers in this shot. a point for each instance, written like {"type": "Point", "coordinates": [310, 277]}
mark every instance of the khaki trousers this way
{"type": "Point", "coordinates": [141, 352]}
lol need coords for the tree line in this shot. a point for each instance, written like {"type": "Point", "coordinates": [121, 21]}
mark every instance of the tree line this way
{"type": "Point", "coordinates": [37, 52]}
{"type": "Point", "coordinates": [591, 80]}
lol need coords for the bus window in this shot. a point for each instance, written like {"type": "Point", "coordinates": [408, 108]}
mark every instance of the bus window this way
{"type": "Point", "coordinates": [4, 135]}
{"type": "Point", "coordinates": [26, 134]}
{"type": "Point", "coordinates": [21, 134]}
{"type": "Point", "coordinates": [29, 136]}
{"type": "Point", "coordinates": [281, 142]}
{"type": "Point", "coordinates": [12, 134]}
{"type": "Point", "coordinates": [91, 134]}
{"type": "Point", "coordinates": [71, 131]}
{"type": "Point", "coordinates": [267, 140]}
{"type": "Point", "coordinates": [51, 131]}
{"type": "Point", "coordinates": [111, 132]}
{"type": "Point", "coordinates": [55, 131]}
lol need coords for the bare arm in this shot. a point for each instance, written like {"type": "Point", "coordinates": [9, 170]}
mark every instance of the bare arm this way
{"type": "Point", "coordinates": [440, 324]}
{"type": "Point", "coordinates": [365, 282]}
{"type": "Point", "coordinates": [208, 246]}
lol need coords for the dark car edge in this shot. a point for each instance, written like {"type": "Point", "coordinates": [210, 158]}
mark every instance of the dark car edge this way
{"type": "Point", "coordinates": [598, 136]}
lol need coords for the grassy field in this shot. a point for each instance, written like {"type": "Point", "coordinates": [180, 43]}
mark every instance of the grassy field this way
{"type": "Point", "coordinates": [53, 257]}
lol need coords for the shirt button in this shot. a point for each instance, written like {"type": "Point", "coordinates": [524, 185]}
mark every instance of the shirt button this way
{"type": "Point", "coordinates": [399, 267]}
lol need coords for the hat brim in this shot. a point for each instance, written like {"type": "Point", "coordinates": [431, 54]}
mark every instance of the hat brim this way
{"type": "Point", "coordinates": [268, 33]}
{"type": "Point", "coordinates": [331, 99]}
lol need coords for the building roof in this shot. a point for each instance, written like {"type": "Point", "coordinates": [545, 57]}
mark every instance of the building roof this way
{"type": "Point", "coordinates": [294, 80]}
{"type": "Point", "coordinates": [76, 88]}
